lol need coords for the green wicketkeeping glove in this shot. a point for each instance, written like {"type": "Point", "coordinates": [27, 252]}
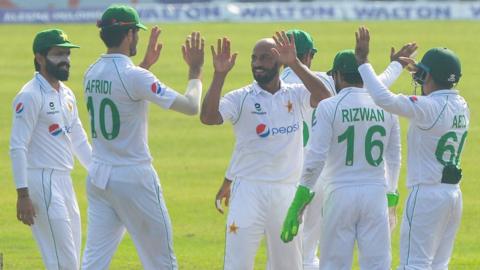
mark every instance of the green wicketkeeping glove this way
{"type": "Point", "coordinates": [302, 198]}
{"type": "Point", "coordinates": [392, 198]}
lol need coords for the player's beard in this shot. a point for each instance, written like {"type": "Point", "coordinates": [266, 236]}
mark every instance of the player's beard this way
{"type": "Point", "coordinates": [56, 70]}
{"type": "Point", "coordinates": [269, 75]}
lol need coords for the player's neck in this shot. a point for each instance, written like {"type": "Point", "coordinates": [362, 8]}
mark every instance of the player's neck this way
{"type": "Point", "coordinates": [55, 83]}
{"type": "Point", "coordinates": [272, 87]}
{"type": "Point", "coordinates": [119, 50]}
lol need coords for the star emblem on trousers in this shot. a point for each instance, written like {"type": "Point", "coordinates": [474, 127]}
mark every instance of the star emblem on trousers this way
{"type": "Point", "coordinates": [233, 228]}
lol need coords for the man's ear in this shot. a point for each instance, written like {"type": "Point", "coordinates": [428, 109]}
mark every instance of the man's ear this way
{"type": "Point", "coordinates": [41, 59]}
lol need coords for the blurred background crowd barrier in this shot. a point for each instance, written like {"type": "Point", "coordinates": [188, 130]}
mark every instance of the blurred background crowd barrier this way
{"type": "Point", "coordinates": [88, 11]}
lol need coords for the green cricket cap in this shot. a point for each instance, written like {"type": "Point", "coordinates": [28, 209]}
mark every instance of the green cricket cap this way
{"type": "Point", "coordinates": [345, 62]}
{"type": "Point", "coordinates": [51, 38]}
{"type": "Point", "coordinates": [443, 64]}
{"type": "Point", "coordinates": [303, 41]}
{"type": "Point", "coordinates": [120, 16]}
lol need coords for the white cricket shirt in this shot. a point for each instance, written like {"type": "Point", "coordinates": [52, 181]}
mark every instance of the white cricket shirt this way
{"type": "Point", "coordinates": [352, 140]}
{"type": "Point", "coordinates": [117, 94]}
{"type": "Point", "coordinates": [437, 131]}
{"type": "Point", "coordinates": [268, 131]}
{"type": "Point", "coordinates": [47, 128]}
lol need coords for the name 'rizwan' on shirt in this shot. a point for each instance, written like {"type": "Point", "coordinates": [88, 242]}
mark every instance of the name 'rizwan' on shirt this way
{"type": "Point", "coordinates": [363, 114]}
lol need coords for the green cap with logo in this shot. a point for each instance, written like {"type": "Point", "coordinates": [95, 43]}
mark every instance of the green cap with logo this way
{"type": "Point", "coordinates": [303, 41]}
{"type": "Point", "coordinates": [51, 38]}
{"type": "Point", "coordinates": [345, 62]}
{"type": "Point", "coordinates": [443, 64]}
{"type": "Point", "coordinates": [120, 16]}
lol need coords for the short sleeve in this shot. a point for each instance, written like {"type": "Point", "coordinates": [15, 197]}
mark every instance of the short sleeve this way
{"type": "Point", "coordinates": [141, 84]}
{"type": "Point", "coordinates": [230, 105]}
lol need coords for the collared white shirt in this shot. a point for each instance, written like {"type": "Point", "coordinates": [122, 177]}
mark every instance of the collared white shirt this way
{"type": "Point", "coordinates": [47, 127]}
{"type": "Point", "coordinates": [117, 94]}
{"type": "Point", "coordinates": [438, 127]}
{"type": "Point", "coordinates": [268, 130]}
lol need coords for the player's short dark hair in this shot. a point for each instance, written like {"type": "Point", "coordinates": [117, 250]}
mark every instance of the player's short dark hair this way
{"type": "Point", "coordinates": [113, 36]}
{"type": "Point", "coordinates": [35, 63]}
{"type": "Point", "coordinates": [352, 78]}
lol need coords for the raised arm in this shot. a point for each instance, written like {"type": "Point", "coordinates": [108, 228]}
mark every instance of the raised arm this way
{"type": "Point", "coordinates": [223, 62]}
{"type": "Point", "coordinates": [193, 54]}
{"type": "Point", "coordinates": [286, 53]}
{"type": "Point", "coordinates": [397, 104]}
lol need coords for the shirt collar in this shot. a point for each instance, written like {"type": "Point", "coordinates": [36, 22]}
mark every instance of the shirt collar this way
{"type": "Point", "coordinates": [350, 89]}
{"type": "Point", "coordinates": [117, 56]}
{"type": "Point", "coordinates": [446, 91]}
{"type": "Point", "coordinates": [45, 85]}
{"type": "Point", "coordinates": [257, 89]}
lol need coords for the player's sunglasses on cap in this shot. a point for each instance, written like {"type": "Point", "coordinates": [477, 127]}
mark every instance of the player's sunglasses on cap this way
{"type": "Point", "coordinates": [345, 62]}
{"type": "Point", "coordinates": [51, 38]}
{"type": "Point", "coordinates": [120, 16]}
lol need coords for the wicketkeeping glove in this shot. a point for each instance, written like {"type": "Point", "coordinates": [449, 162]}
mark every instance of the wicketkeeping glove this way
{"type": "Point", "coordinates": [302, 198]}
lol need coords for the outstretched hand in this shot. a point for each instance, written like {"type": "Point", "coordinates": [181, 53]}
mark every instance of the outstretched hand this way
{"type": "Point", "coordinates": [193, 50]}
{"type": "Point", "coordinates": [408, 51]}
{"type": "Point", "coordinates": [285, 49]}
{"type": "Point", "coordinates": [223, 59]}
{"type": "Point", "coordinates": [153, 49]}
{"type": "Point", "coordinates": [362, 37]}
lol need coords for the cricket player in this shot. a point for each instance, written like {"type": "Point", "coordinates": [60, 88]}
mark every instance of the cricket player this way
{"type": "Point", "coordinates": [311, 227]}
{"type": "Point", "coordinates": [46, 133]}
{"type": "Point", "coordinates": [267, 120]}
{"type": "Point", "coordinates": [439, 121]}
{"type": "Point", "coordinates": [123, 188]}
{"type": "Point", "coordinates": [312, 219]}
{"type": "Point", "coordinates": [354, 146]}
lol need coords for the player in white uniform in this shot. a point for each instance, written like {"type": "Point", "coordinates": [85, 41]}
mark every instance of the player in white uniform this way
{"type": "Point", "coordinates": [439, 120]}
{"type": "Point", "coordinates": [123, 188]}
{"type": "Point", "coordinates": [266, 163]}
{"type": "Point", "coordinates": [311, 219]}
{"type": "Point", "coordinates": [349, 138]}
{"type": "Point", "coordinates": [46, 132]}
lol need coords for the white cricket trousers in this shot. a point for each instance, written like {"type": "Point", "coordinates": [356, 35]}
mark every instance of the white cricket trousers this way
{"type": "Point", "coordinates": [132, 201]}
{"type": "Point", "coordinates": [312, 221]}
{"type": "Point", "coordinates": [57, 227]}
{"type": "Point", "coordinates": [355, 213]}
{"type": "Point", "coordinates": [430, 222]}
{"type": "Point", "coordinates": [258, 209]}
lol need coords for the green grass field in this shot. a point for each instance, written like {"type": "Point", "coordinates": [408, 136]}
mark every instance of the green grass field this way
{"type": "Point", "coordinates": [191, 158]}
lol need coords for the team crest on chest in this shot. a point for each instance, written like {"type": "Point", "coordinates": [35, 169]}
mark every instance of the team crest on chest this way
{"type": "Point", "coordinates": [289, 106]}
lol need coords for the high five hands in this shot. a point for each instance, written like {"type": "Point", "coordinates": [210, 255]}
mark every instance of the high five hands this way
{"type": "Point", "coordinates": [285, 50]}
{"type": "Point", "coordinates": [404, 56]}
{"type": "Point", "coordinates": [223, 59]}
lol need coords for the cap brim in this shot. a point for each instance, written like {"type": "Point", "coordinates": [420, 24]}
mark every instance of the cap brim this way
{"type": "Point", "coordinates": [314, 50]}
{"type": "Point", "coordinates": [66, 45]}
{"type": "Point", "coordinates": [139, 25]}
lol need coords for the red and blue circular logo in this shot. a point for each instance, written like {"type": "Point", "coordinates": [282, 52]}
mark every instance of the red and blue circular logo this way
{"type": "Point", "coordinates": [54, 129]}
{"type": "Point", "coordinates": [262, 130]}
{"type": "Point", "coordinates": [156, 88]}
{"type": "Point", "coordinates": [19, 108]}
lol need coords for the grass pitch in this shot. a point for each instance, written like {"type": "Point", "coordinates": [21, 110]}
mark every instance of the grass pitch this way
{"type": "Point", "coordinates": [191, 158]}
